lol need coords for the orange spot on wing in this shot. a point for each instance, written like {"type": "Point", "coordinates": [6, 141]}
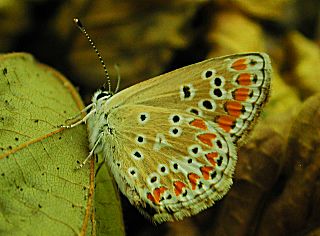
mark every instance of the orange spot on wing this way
{"type": "Point", "coordinates": [205, 170]}
{"type": "Point", "coordinates": [178, 185]}
{"type": "Point", "coordinates": [241, 94]}
{"type": "Point", "coordinates": [226, 122]}
{"type": "Point", "coordinates": [157, 193]}
{"type": "Point", "coordinates": [193, 178]}
{"type": "Point", "coordinates": [211, 156]}
{"type": "Point", "coordinates": [234, 108]}
{"type": "Point", "coordinates": [244, 79]}
{"type": "Point", "coordinates": [207, 138]}
{"type": "Point", "coordinates": [199, 124]}
{"type": "Point", "coordinates": [239, 64]}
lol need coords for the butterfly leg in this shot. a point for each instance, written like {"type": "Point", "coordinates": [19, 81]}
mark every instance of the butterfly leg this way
{"type": "Point", "coordinates": [83, 120]}
{"type": "Point", "coordinates": [92, 151]}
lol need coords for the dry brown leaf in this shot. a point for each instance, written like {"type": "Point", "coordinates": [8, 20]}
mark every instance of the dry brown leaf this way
{"type": "Point", "coordinates": [292, 207]}
{"type": "Point", "coordinates": [304, 69]}
{"type": "Point", "coordinates": [186, 227]}
{"type": "Point", "coordinates": [315, 232]}
{"type": "Point", "coordinates": [227, 34]}
{"type": "Point", "coordinates": [267, 9]}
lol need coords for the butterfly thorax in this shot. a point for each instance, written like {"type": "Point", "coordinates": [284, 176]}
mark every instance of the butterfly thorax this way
{"type": "Point", "coordinates": [98, 122]}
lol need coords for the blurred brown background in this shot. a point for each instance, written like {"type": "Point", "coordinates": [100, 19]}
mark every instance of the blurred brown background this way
{"type": "Point", "coordinates": [277, 180]}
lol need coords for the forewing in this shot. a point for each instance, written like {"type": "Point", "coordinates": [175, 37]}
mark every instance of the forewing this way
{"type": "Point", "coordinates": [229, 91]}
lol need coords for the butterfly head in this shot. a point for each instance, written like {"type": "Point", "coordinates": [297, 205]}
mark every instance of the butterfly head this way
{"type": "Point", "coordinates": [100, 96]}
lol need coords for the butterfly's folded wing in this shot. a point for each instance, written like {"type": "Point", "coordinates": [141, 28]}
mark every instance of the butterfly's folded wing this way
{"type": "Point", "coordinates": [229, 91]}
{"type": "Point", "coordinates": [172, 145]}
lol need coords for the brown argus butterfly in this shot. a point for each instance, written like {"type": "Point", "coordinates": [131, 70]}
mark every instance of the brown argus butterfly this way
{"type": "Point", "coordinates": [171, 141]}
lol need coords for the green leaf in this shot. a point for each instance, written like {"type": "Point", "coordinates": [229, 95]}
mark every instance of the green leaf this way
{"type": "Point", "coordinates": [41, 193]}
{"type": "Point", "coordinates": [107, 203]}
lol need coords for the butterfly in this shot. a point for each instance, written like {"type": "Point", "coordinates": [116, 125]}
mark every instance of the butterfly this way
{"type": "Point", "coordinates": [171, 141]}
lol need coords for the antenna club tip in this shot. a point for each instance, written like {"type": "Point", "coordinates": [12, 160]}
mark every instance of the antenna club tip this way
{"type": "Point", "coordinates": [77, 22]}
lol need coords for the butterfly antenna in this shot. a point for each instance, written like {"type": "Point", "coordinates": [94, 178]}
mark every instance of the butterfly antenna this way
{"type": "Point", "coordinates": [83, 30]}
